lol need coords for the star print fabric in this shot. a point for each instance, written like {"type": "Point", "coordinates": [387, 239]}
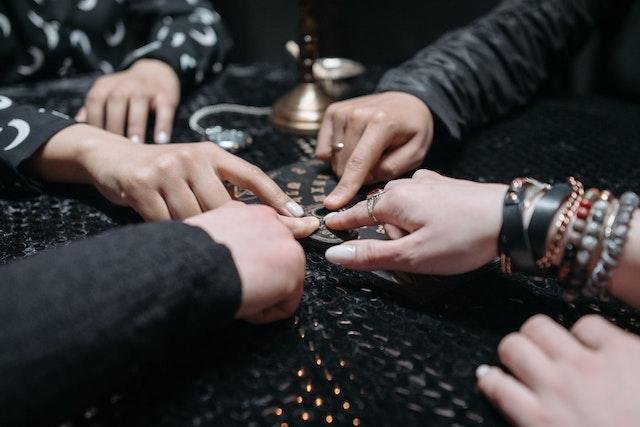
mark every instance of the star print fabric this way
{"type": "Point", "coordinates": [60, 38]}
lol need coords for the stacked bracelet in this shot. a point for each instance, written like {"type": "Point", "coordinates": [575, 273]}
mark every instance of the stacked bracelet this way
{"type": "Point", "coordinates": [615, 239]}
{"type": "Point", "coordinates": [563, 231]}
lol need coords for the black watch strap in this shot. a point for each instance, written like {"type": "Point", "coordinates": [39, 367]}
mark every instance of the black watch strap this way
{"type": "Point", "coordinates": [514, 240]}
{"type": "Point", "coordinates": [546, 208]}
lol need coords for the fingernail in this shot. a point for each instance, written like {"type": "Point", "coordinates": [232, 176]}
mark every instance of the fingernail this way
{"type": "Point", "coordinates": [135, 139]}
{"type": "Point", "coordinates": [295, 209]}
{"type": "Point", "coordinates": [162, 138]}
{"type": "Point", "coordinates": [340, 254]}
{"type": "Point", "coordinates": [329, 216]}
{"type": "Point", "coordinates": [482, 370]}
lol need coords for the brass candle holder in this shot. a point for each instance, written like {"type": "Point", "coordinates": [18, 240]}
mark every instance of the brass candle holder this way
{"type": "Point", "coordinates": [301, 110]}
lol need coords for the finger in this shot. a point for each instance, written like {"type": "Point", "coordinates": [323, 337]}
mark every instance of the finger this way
{"type": "Point", "coordinates": [152, 207]}
{"type": "Point", "coordinates": [369, 255]}
{"type": "Point", "coordinates": [95, 104]}
{"type": "Point", "coordinates": [81, 116]}
{"type": "Point", "coordinates": [209, 191]}
{"type": "Point", "coordinates": [280, 311]}
{"type": "Point", "coordinates": [354, 128]}
{"type": "Point", "coordinates": [594, 331]}
{"type": "Point", "coordinates": [518, 403]}
{"type": "Point", "coordinates": [385, 210]}
{"type": "Point", "coordinates": [525, 360]}
{"type": "Point", "coordinates": [427, 175]}
{"type": "Point", "coordinates": [325, 135]}
{"type": "Point", "coordinates": [362, 160]}
{"type": "Point", "coordinates": [394, 232]}
{"type": "Point", "coordinates": [301, 227]}
{"type": "Point", "coordinates": [116, 113]}
{"type": "Point", "coordinates": [245, 175]}
{"type": "Point", "coordinates": [137, 121]}
{"type": "Point", "coordinates": [405, 158]}
{"type": "Point", "coordinates": [552, 338]}
{"type": "Point", "coordinates": [165, 113]}
{"type": "Point", "coordinates": [181, 201]}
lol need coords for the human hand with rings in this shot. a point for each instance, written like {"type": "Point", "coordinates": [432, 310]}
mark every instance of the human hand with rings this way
{"type": "Point", "coordinates": [372, 139]}
{"type": "Point", "coordinates": [437, 225]}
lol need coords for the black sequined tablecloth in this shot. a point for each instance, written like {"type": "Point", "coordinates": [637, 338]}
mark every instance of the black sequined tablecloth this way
{"type": "Point", "coordinates": [353, 354]}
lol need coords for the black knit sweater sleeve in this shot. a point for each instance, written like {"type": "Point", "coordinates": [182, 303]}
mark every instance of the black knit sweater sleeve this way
{"type": "Point", "coordinates": [187, 34]}
{"type": "Point", "coordinates": [23, 130]}
{"type": "Point", "coordinates": [483, 71]}
{"type": "Point", "coordinates": [74, 320]}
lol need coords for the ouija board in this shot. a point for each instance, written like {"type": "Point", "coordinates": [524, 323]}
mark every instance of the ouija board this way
{"type": "Point", "coordinates": [308, 183]}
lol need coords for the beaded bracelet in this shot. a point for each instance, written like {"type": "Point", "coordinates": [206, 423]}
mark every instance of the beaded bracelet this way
{"type": "Point", "coordinates": [613, 245]}
{"type": "Point", "coordinates": [574, 235]}
{"type": "Point", "coordinates": [587, 246]}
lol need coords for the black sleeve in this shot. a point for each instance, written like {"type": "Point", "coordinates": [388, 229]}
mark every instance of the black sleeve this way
{"type": "Point", "coordinates": [23, 130]}
{"type": "Point", "coordinates": [187, 34]}
{"type": "Point", "coordinates": [74, 320]}
{"type": "Point", "coordinates": [479, 73]}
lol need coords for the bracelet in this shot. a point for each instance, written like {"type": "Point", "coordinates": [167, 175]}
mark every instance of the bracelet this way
{"type": "Point", "coordinates": [615, 240]}
{"type": "Point", "coordinates": [560, 227]}
{"type": "Point", "coordinates": [514, 244]}
{"type": "Point", "coordinates": [589, 243]}
{"type": "Point", "coordinates": [574, 237]}
{"type": "Point", "coordinates": [543, 214]}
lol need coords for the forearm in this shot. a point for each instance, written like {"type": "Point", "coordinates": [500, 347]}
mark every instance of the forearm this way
{"type": "Point", "coordinates": [479, 73]}
{"type": "Point", "coordinates": [63, 158]}
{"type": "Point", "coordinates": [81, 316]}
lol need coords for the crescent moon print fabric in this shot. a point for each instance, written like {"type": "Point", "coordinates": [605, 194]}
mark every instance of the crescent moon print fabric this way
{"type": "Point", "coordinates": [61, 38]}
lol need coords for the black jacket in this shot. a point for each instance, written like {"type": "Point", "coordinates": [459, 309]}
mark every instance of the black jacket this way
{"type": "Point", "coordinates": [482, 72]}
{"type": "Point", "coordinates": [59, 38]}
{"type": "Point", "coordinates": [74, 321]}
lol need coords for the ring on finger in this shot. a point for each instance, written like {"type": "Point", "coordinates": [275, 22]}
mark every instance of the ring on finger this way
{"type": "Point", "coordinates": [372, 199]}
{"type": "Point", "coordinates": [337, 146]}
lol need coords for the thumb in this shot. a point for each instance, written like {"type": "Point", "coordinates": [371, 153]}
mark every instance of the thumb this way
{"type": "Point", "coordinates": [368, 255]}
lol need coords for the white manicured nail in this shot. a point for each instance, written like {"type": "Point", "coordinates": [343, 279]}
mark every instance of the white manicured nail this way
{"type": "Point", "coordinates": [482, 370]}
{"type": "Point", "coordinates": [135, 139]}
{"type": "Point", "coordinates": [340, 254]}
{"type": "Point", "coordinates": [295, 209]}
{"type": "Point", "coordinates": [162, 138]}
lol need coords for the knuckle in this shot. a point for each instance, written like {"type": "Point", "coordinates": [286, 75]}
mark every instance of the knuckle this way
{"type": "Point", "coordinates": [508, 345]}
{"type": "Point", "coordinates": [390, 169]}
{"type": "Point", "coordinates": [141, 179]}
{"type": "Point", "coordinates": [535, 323]}
{"type": "Point", "coordinates": [380, 117]}
{"type": "Point", "coordinates": [356, 163]}
{"type": "Point", "coordinates": [171, 162]}
{"type": "Point", "coordinates": [119, 94]}
{"type": "Point", "coordinates": [587, 323]}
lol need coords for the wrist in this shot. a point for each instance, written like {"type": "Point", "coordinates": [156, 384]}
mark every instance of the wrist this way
{"type": "Point", "coordinates": [67, 157]}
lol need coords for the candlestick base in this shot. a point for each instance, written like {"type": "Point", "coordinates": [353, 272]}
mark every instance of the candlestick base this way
{"type": "Point", "coordinates": [301, 110]}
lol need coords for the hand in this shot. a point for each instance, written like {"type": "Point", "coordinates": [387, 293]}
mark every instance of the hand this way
{"type": "Point", "coordinates": [269, 261]}
{"type": "Point", "coordinates": [589, 377]}
{"type": "Point", "coordinates": [123, 100]}
{"type": "Point", "coordinates": [173, 181]}
{"type": "Point", "coordinates": [384, 136]}
{"type": "Point", "coordinates": [440, 226]}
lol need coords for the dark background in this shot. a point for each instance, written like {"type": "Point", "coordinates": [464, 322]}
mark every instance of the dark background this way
{"type": "Point", "coordinates": [374, 32]}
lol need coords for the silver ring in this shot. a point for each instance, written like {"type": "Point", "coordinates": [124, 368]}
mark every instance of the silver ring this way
{"type": "Point", "coordinates": [338, 146]}
{"type": "Point", "coordinates": [372, 199]}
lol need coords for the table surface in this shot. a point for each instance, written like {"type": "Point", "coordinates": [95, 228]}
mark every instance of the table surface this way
{"type": "Point", "coordinates": [353, 354]}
